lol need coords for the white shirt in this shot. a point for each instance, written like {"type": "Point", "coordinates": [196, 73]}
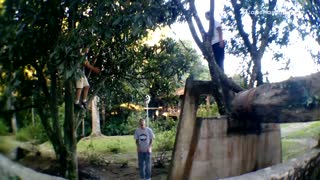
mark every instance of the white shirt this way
{"type": "Point", "coordinates": [215, 38]}
{"type": "Point", "coordinates": [144, 137]}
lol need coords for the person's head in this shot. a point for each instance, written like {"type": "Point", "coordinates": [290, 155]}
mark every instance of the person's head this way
{"type": "Point", "coordinates": [142, 123]}
{"type": "Point", "coordinates": [208, 15]}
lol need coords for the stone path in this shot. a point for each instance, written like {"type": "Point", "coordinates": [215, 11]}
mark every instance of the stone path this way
{"type": "Point", "coordinates": [292, 127]}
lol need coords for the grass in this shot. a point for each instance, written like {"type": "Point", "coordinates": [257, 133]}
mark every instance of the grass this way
{"type": "Point", "coordinates": [291, 149]}
{"type": "Point", "coordinates": [7, 144]}
{"type": "Point", "coordinates": [123, 147]}
{"type": "Point", "coordinates": [292, 144]}
{"type": "Point", "coordinates": [312, 131]}
{"type": "Point", "coordinates": [108, 144]}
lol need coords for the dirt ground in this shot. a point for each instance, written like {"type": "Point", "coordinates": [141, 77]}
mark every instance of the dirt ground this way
{"type": "Point", "coordinates": [93, 170]}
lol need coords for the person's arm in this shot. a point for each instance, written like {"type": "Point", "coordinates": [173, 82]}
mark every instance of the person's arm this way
{"type": "Point", "coordinates": [137, 139]}
{"type": "Point", "coordinates": [151, 139]}
{"type": "Point", "coordinates": [137, 143]}
{"type": "Point", "coordinates": [90, 67]}
{"type": "Point", "coordinates": [150, 144]}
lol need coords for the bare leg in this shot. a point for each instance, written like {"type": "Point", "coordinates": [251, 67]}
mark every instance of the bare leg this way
{"type": "Point", "coordinates": [78, 95]}
{"type": "Point", "coordinates": [85, 93]}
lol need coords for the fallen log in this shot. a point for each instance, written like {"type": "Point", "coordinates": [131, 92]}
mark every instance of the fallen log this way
{"type": "Point", "coordinates": [294, 100]}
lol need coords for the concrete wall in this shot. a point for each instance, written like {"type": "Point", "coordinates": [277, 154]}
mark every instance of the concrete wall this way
{"type": "Point", "coordinates": [10, 170]}
{"type": "Point", "coordinates": [304, 167]}
{"type": "Point", "coordinates": [219, 154]}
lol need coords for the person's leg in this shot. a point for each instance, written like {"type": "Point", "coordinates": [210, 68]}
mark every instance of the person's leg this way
{"type": "Point", "coordinates": [218, 53]}
{"type": "Point", "coordinates": [148, 166]}
{"type": "Point", "coordinates": [79, 87]}
{"type": "Point", "coordinates": [141, 165]}
{"type": "Point", "coordinates": [78, 95]}
{"type": "Point", "coordinates": [221, 58]}
{"type": "Point", "coordinates": [85, 92]}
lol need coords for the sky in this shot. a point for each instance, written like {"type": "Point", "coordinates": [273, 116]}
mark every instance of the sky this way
{"type": "Point", "coordinates": [301, 60]}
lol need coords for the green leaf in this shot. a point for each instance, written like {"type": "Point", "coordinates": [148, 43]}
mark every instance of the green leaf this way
{"type": "Point", "coordinates": [117, 21]}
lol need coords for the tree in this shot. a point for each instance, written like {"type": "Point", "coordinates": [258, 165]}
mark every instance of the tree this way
{"type": "Point", "coordinates": [257, 26]}
{"type": "Point", "coordinates": [159, 73]}
{"type": "Point", "coordinates": [222, 85]}
{"type": "Point", "coordinates": [310, 23]}
{"type": "Point", "coordinates": [96, 130]}
{"type": "Point", "coordinates": [266, 28]}
{"type": "Point", "coordinates": [47, 35]}
{"type": "Point", "coordinates": [311, 10]}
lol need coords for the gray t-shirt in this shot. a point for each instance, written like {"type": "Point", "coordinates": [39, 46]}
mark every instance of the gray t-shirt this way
{"type": "Point", "coordinates": [143, 136]}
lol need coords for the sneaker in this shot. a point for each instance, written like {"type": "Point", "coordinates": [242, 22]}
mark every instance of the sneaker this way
{"type": "Point", "coordinates": [85, 105]}
{"type": "Point", "coordinates": [78, 106]}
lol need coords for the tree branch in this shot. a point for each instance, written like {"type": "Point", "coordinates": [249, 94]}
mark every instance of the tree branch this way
{"type": "Point", "coordinates": [194, 13]}
{"type": "Point", "coordinates": [243, 34]}
{"type": "Point", "coordinates": [211, 21]}
{"type": "Point", "coordinates": [253, 28]}
{"type": "Point", "coordinates": [269, 25]}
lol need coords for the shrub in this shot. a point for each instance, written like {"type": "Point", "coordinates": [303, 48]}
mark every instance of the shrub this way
{"type": "Point", "coordinates": [133, 121]}
{"type": "Point", "coordinates": [116, 147]}
{"type": "Point", "coordinates": [164, 144]}
{"type": "Point", "coordinates": [208, 111]}
{"type": "Point", "coordinates": [4, 130]}
{"type": "Point", "coordinates": [32, 132]}
{"type": "Point", "coordinates": [164, 141]}
{"type": "Point", "coordinates": [163, 124]}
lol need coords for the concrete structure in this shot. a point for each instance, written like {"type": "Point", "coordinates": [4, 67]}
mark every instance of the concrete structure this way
{"type": "Point", "coordinates": [10, 170]}
{"type": "Point", "coordinates": [305, 166]}
{"type": "Point", "coordinates": [218, 147]}
{"type": "Point", "coordinates": [220, 154]}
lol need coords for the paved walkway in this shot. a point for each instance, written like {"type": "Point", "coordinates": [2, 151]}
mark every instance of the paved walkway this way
{"type": "Point", "coordinates": [292, 127]}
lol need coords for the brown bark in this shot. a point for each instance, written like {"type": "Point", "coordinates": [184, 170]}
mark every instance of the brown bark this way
{"type": "Point", "coordinates": [255, 49]}
{"type": "Point", "coordinates": [70, 140]}
{"type": "Point", "coordinates": [294, 100]}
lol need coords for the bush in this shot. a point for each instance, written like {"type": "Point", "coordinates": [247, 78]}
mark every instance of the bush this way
{"type": "Point", "coordinates": [118, 126]}
{"type": "Point", "coordinates": [32, 132]}
{"type": "Point", "coordinates": [133, 121]}
{"type": "Point", "coordinates": [163, 124]}
{"type": "Point", "coordinates": [208, 111]}
{"type": "Point", "coordinates": [4, 130]}
{"type": "Point", "coordinates": [164, 144]}
{"type": "Point", "coordinates": [164, 141]}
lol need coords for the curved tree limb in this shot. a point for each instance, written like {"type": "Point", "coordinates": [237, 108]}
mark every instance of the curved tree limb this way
{"type": "Point", "coordinates": [242, 33]}
{"type": "Point", "coordinates": [269, 25]}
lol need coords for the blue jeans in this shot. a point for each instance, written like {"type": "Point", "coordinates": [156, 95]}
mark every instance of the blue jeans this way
{"type": "Point", "coordinates": [144, 159]}
{"type": "Point", "coordinates": [218, 53]}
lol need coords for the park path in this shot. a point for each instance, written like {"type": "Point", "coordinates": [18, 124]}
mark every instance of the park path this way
{"type": "Point", "coordinates": [292, 127]}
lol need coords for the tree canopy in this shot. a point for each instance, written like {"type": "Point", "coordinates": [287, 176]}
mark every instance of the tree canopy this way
{"type": "Point", "coordinates": [40, 54]}
{"type": "Point", "coordinates": [257, 26]}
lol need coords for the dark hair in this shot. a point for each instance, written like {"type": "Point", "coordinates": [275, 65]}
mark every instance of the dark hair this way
{"type": "Point", "coordinates": [207, 13]}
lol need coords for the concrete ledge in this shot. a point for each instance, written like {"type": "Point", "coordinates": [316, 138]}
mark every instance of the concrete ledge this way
{"type": "Point", "coordinates": [306, 166]}
{"type": "Point", "coordinates": [11, 170]}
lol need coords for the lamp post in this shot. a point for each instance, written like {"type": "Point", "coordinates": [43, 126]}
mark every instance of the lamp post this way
{"type": "Point", "coordinates": [147, 100]}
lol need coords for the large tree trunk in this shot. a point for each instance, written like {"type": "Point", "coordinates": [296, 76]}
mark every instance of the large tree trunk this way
{"type": "Point", "coordinates": [96, 130]}
{"type": "Point", "coordinates": [13, 118]}
{"type": "Point", "coordinates": [70, 134]}
{"type": "Point", "coordinates": [294, 100]}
